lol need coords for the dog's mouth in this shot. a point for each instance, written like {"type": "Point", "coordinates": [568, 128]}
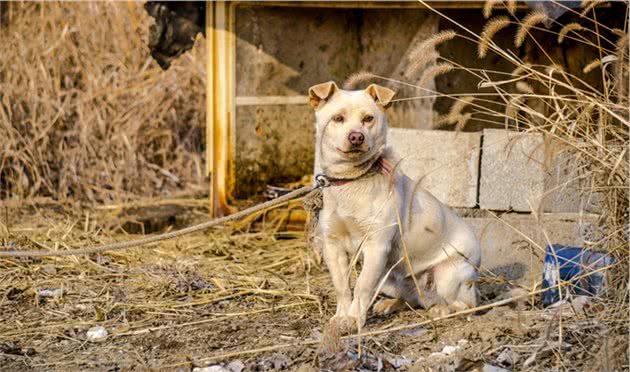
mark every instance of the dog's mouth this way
{"type": "Point", "coordinates": [352, 151]}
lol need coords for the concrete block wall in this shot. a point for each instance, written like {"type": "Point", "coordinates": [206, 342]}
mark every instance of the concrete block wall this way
{"type": "Point", "coordinates": [495, 169]}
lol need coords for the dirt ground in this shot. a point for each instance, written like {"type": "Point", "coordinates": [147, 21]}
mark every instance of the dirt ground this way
{"type": "Point", "coordinates": [251, 298]}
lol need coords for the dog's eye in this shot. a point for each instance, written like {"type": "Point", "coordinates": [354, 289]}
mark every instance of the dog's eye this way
{"type": "Point", "coordinates": [338, 118]}
{"type": "Point", "coordinates": [368, 118]}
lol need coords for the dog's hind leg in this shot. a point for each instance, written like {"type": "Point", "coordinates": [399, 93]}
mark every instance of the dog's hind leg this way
{"type": "Point", "coordinates": [387, 306]}
{"type": "Point", "coordinates": [455, 286]}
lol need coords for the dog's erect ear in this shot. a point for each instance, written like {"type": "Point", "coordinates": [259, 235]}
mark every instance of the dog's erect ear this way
{"type": "Point", "coordinates": [383, 96]}
{"type": "Point", "coordinates": [321, 92]}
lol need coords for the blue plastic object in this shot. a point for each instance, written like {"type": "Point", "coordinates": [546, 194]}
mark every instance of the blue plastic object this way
{"type": "Point", "coordinates": [564, 264]}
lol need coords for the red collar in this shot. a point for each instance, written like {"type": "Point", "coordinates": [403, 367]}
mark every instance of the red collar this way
{"type": "Point", "coordinates": [381, 165]}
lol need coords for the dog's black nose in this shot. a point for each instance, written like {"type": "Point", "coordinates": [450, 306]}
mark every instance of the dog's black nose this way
{"type": "Point", "coordinates": [356, 138]}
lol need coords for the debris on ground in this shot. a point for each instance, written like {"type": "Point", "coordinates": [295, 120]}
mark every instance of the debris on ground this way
{"type": "Point", "coordinates": [54, 293]}
{"type": "Point", "coordinates": [215, 368]}
{"type": "Point", "coordinates": [97, 333]}
{"type": "Point", "coordinates": [248, 300]}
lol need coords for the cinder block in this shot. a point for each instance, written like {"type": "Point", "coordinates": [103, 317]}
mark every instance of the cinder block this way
{"type": "Point", "coordinates": [526, 173]}
{"type": "Point", "coordinates": [512, 174]}
{"type": "Point", "coordinates": [446, 163]}
{"type": "Point", "coordinates": [513, 245]}
{"type": "Point", "coordinates": [567, 185]}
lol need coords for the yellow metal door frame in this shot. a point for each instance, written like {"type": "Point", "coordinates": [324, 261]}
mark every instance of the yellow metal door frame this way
{"type": "Point", "coordinates": [221, 83]}
{"type": "Point", "coordinates": [220, 103]}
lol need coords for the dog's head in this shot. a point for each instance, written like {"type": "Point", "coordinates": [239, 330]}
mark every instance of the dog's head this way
{"type": "Point", "coordinates": [351, 127]}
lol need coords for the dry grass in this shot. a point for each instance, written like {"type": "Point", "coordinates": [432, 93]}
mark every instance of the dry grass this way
{"type": "Point", "coordinates": [86, 114]}
{"type": "Point", "coordinates": [84, 125]}
{"type": "Point", "coordinates": [199, 286]}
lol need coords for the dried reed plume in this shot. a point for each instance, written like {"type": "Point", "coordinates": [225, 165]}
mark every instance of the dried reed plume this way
{"type": "Point", "coordinates": [430, 73]}
{"type": "Point", "coordinates": [460, 105]}
{"type": "Point", "coordinates": [462, 120]}
{"type": "Point", "coordinates": [512, 108]}
{"type": "Point", "coordinates": [490, 29]}
{"type": "Point", "coordinates": [421, 61]}
{"type": "Point", "coordinates": [353, 81]}
{"type": "Point", "coordinates": [521, 68]}
{"type": "Point", "coordinates": [524, 87]}
{"type": "Point", "coordinates": [592, 65]}
{"type": "Point", "coordinates": [487, 8]}
{"type": "Point", "coordinates": [568, 28]}
{"type": "Point", "coordinates": [531, 20]}
{"type": "Point", "coordinates": [589, 5]}
{"type": "Point", "coordinates": [428, 45]}
{"type": "Point", "coordinates": [511, 6]}
{"type": "Point", "coordinates": [425, 53]}
{"type": "Point", "coordinates": [455, 113]}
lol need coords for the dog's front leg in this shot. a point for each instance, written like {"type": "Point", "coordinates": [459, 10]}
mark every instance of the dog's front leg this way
{"type": "Point", "coordinates": [375, 254]}
{"type": "Point", "coordinates": [337, 261]}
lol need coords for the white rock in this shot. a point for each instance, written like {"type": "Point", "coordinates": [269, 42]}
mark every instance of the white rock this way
{"type": "Point", "coordinates": [508, 357]}
{"type": "Point", "coordinates": [491, 368]}
{"type": "Point", "coordinates": [448, 350]}
{"type": "Point", "coordinates": [414, 332]}
{"type": "Point", "coordinates": [97, 333]}
{"type": "Point", "coordinates": [216, 368]}
{"type": "Point", "coordinates": [236, 366]}
{"type": "Point", "coordinates": [400, 362]}
{"type": "Point", "coordinates": [57, 292]}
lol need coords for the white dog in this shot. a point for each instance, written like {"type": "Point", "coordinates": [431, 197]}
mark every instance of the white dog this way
{"type": "Point", "coordinates": [414, 249]}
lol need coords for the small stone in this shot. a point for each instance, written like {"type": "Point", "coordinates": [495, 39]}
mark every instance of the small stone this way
{"type": "Point", "coordinates": [448, 350]}
{"type": "Point", "coordinates": [215, 368]}
{"type": "Point", "coordinates": [236, 366]}
{"type": "Point", "coordinates": [400, 362]}
{"type": "Point", "coordinates": [508, 358]}
{"type": "Point", "coordinates": [280, 361]}
{"type": "Point", "coordinates": [414, 332]}
{"type": "Point", "coordinates": [97, 333]}
{"type": "Point", "coordinates": [491, 368]}
{"type": "Point", "coordinates": [50, 270]}
{"type": "Point", "coordinates": [55, 292]}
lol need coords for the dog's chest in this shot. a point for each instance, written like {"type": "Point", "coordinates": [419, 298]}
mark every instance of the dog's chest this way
{"type": "Point", "coordinates": [354, 210]}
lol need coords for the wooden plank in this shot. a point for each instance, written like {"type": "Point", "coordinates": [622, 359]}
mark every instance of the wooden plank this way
{"type": "Point", "coordinates": [271, 100]}
{"type": "Point", "coordinates": [373, 4]}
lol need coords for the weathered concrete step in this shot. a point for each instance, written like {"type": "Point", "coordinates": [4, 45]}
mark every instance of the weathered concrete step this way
{"type": "Point", "coordinates": [513, 245]}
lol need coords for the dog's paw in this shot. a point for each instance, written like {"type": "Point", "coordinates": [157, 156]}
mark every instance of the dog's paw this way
{"type": "Point", "coordinates": [437, 311]}
{"type": "Point", "coordinates": [343, 324]}
{"type": "Point", "coordinates": [387, 306]}
{"type": "Point", "coordinates": [444, 310]}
